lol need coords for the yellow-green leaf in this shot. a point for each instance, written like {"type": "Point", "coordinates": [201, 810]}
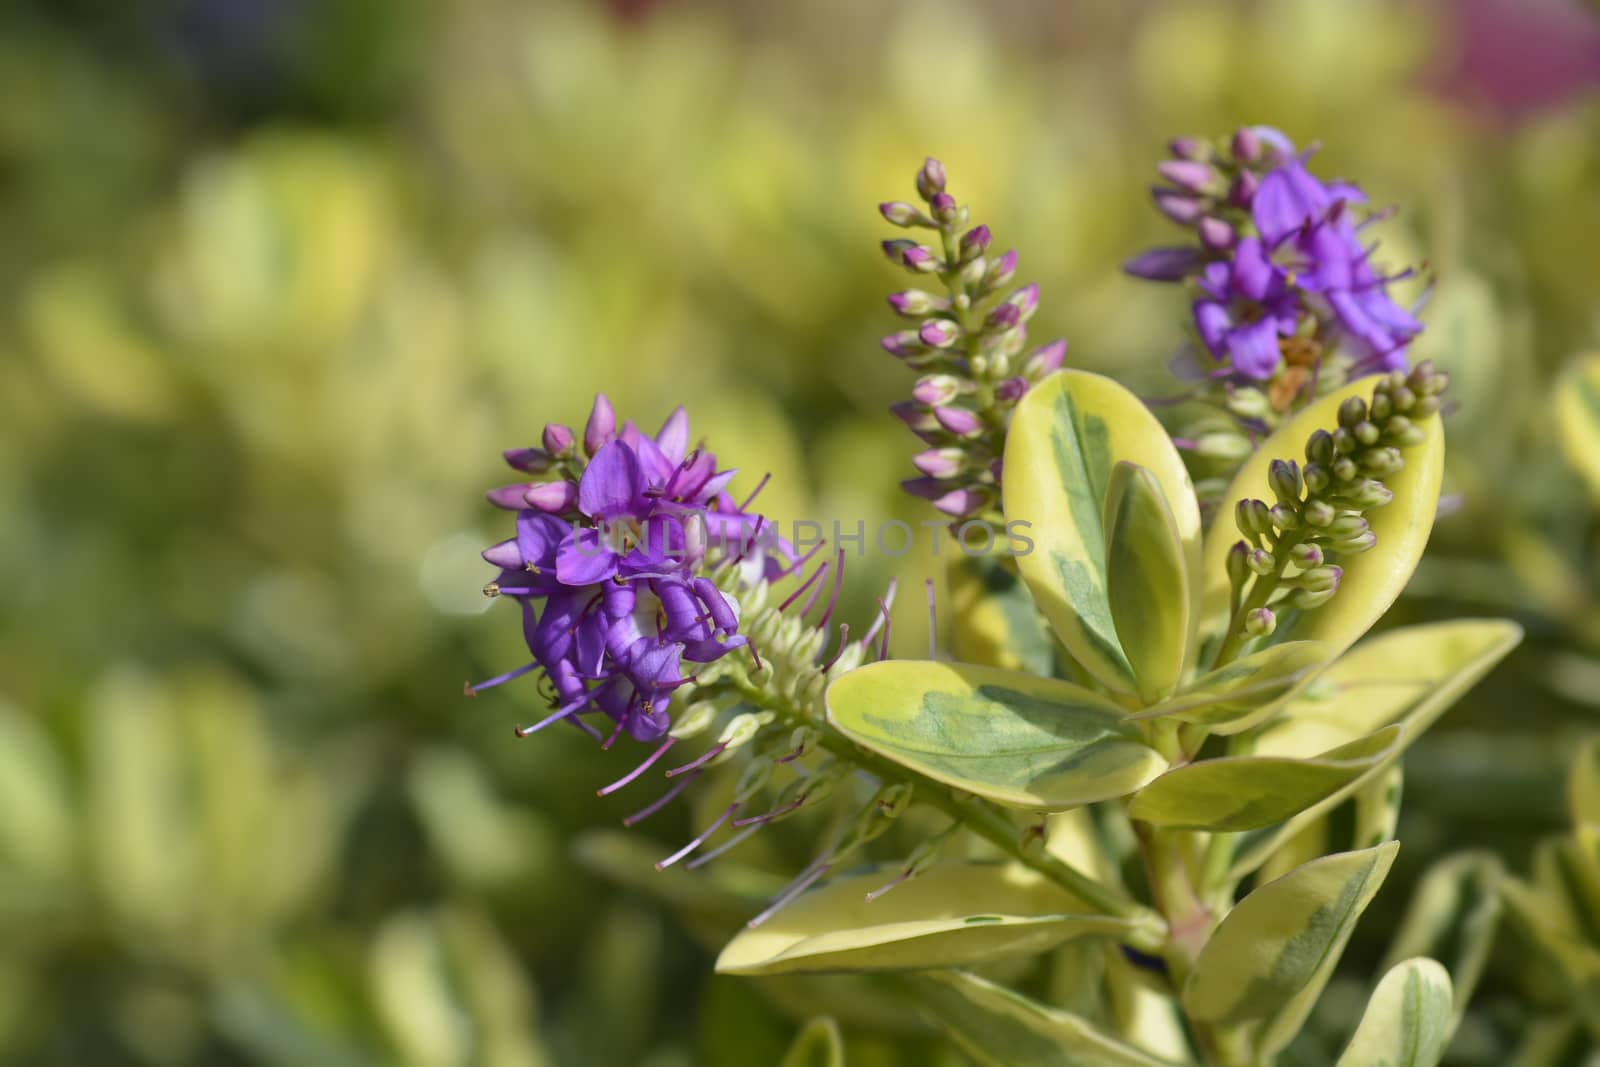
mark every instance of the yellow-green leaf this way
{"type": "Point", "coordinates": [1240, 694]}
{"type": "Point", "coordinates": [1066, 437]}
{"type": "Point", "coordinates": [1275, 950]}
{"type": "Point", "coordinates": [1453, 915]}
{"type": "Point", "coordinates": [1247, 792]}
{"type": "Point", "coordinates": [1583, 784]}
{"type": "Point", "coordinates": [818, 1045]}
{"type": "Point", "coordinates": [1014, 738]}
{"type": "Point", "coordinates": [998, 1027]}
{"type": "Point", "coordinates": [1147, 582]}
{"type": "Point", "coordinates": [1407, 1021]}
{"type": "Point", "coordinates": [1577, 404]}
{"type": "Point", "coordinates": [994, 622]}
{"type": "Point", "coordinates": [951, 915]}
{"type": "Point", "coordinates": [1409, 676]}
{"type": "Point", "coordinates": [1373, 579]}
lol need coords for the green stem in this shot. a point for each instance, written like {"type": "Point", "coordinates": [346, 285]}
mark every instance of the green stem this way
{"type": "Point", "coordinates": [1261, 591]}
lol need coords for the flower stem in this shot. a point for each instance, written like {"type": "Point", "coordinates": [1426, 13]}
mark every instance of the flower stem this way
{"type": "Point", "coordinates": [1261, 591]}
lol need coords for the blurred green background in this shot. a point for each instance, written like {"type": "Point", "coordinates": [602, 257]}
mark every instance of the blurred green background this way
{"type": "Point", "coordinates": [281, 279]}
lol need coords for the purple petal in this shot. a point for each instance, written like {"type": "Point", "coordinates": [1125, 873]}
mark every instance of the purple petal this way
{"type": "Point", "coordinates": [504, 555]}
{"type": "Point", "coordinates": [1254, 349]}
{"type": "Point", "coordinates": [584, 559]}
{"type": "Point", "coordinates": [674, 436]}
{"type": "Point", "coordinates": [1289, 197]}
{"type": "Point", "coordinates": [1213, 322]}
{"type": "Point", "coordinates": [1253, 274]}
{"type": "Point", "coordinates": [611, 484]}
{"type": "Point", "coordinates": [1164, 264]}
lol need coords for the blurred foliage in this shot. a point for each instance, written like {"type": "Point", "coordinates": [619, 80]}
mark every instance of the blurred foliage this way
{"type": "Point", "coordinates": [282, 278]}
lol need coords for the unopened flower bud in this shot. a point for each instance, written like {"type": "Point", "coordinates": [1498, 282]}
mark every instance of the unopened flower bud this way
{"type": "Point", "coordinates": [975, 242]}
{"type": "Point", "coordinates": [1181, 208]}
{"type": "Point", "coordinates": [1190, 175]}
{"type": "Point", "coordinates": [1004, 316]}
{"type": "Point", "coordinates": [1165, 264]}
{"type": "Point", "coordinates": [944, 207]}
{"type": "Point", "coordinates": [559, 440]}
{"type": "Point", "coordinates": [1319, 448]}
{"type": "Point", "coordinates": [931, 179]}
{"type": "Point", "coordinates": [1011, 390]}
{"type": "Point", "coordinates": [1425, 407]}
{"type": "Point", "coordinates": [1283, 475]}
{"type": "Point", "coordinates": [1317, 478]}
{"type": "Point", "coordinates": [1353, 545]}
{"type": "Point", "coordinates": [1238, 563]}
{"type": "Point", "coordinates": [1366, 432]}
{"type": "Point", "coordinates": [893, 800]}
{"type": "Point", "coordinates": [920, 259]}
{"type": "Point", "coordinates": [1318, 513]}
{"type": "Point", "coordinates": [1260, 622]}
{"type": "Point", "coordinates": [939, 333]}
{"type": "Point", "coordinates": [916, 416]}
{"type": "Point", "coordinates": [509, 497]}
{"type": "Point", "coordinates": [529, 460]}
{"type": "Point", "coordinates": [1242, 192]}
{"type": "Point", "coordinates": [935, 389]}
{"type": "Point", "coordinates": [1381, 462]}
{"type": "Point", "coordinates": [1345, 470]}
{"type": "Point", "coordinates": [741, 729]}
{"type": "Point", "coordinates": [904, 344]}
{"type": "Point", "coordinates": [1253, 518]}
{"type": "Point", "coordinates": [1403, 399]}
{"type": "Point", "coordinates": [1216, 234]}
{"type": "Point", "coordinates": [1307, 600]}
{"type": "Point", "coordinates": [1320, 579]}
{"type": "Point", "coordinates": [1245, 145]}
{"type": "Point", "coordinates": [1368, 494]}
{"type": "Point", "coordinates": [695, 720]}
{"type": "Point", "coordinates": [1190, 148]}
{"type": "Point", "coordinates": [1261, 562]}
{"type": "Point", "coordinates": [1248, 402]}
{"type": "Point", "coordinates": [896, 249]}
{"type": "Point", "coordinates": [1352, 411]}
{"type": "Point", "coordinates": [1382, 406]}
{"type": "Point", "coordinates": [940, 462]}
{"type": "Point", "coordinates": [552, 497]}
{"type": "Point", "coordinates": [900, 213]}
{"type": "Point", "coordinates": [601, 427]}
{"type": "Point", "coordinates": [1306, 555]}
{"type": "Point", "coordinates": [1224, 445]}
{"type": "Point", "coordinates": [959, 503]}
{"type": "Point", "coordinates": [962, 422]}
{"type": "Point", "coordinates": [1045, 359]}
{"type": "Point", "coordinates": [1285, 517]}
{"type": "Point", "coordinates": [1346, 526]}
{"type": "Point", "coordinates": [1344, 442]}
{"type": "Point", "coordinates": [915, 302]}
{"type": "Point", "coordinates": [1025, 300]}
{"type": "Point", "coordinates": [1001, 271]}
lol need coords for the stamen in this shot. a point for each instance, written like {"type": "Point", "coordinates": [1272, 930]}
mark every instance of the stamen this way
{"type": "Point", "coordinates": [699, 761]}
{"type": "Point", "coordinates": [933, 622]}
{"type": "Point", "coordinates": [765, 478]}
{"type": "Point", "coordinates": [798, 565]}
{"type": "Point", "coordinates": [472, 690]}
{"type": "Point", "coordinates": [816, 594]}
{"type": "Point", "coordinates": [769, 816]}
{"type": "Point", "coordinates": [585, 727]}
{"type": "Point", "coordinates": [900, 879]}
{"type": "Point", "coordinates": [883, 652]}
{"type": "Point", "coordinates": [737, 839]}
{"type": "Point", "coordinates": [844, 638]}
{"type": "Point", "coordinates": [561, 713]}
{"type": "Point", "coordinates": [885, 602]}
{"type": "Point", "coordinates": [696, 843]}
{"type": "Point", "coordinates": [755, 539]}
{"type": "Point", "coordinates": [806, 879]}
{"type": "Point", "coordinates": [616, 733]}
{"type": "Point", "coordinates": [666, 798]}
{"type": "Point", "coordinates": [833, 599]}
{"type": "Point", "coordinates": [821, 569]}
{"type": "Point", "coordinates": [649, 761]}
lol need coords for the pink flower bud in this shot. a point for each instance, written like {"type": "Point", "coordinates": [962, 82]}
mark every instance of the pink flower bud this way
{"type": "Point", "coordinates": [901, 213]}
{"type": "Point", "coordinates": [939, 333]}
{"type": "Point", "coordinates": [1216, 234]}
{"type": "Point", "coordinates": [1246, 145]}
{"type": "Point", "coordinates": [1025, 300]}
{"type": "Point", "coordinates": [558, 439]}
{"type": "Point", "coordinates": [936, 389]}
{"type": "Point", "coordinates": [1189, 175]}
{"type": "Point", "coordinates": [553, 497]}
{"type": "Point", "coordinates": [904, 344]}
{"type": "Point", "coordinates": [939, 462]}
{"type": "Point", "coordinates": [1045, 359]}
{"type": "Point", "coordinates": [930, 179]}
{"type": "Point", "coordinates": [959, 421]}
{"type": "Point", "coordinates": [1010, 391]}
{"type": "Point", "coordinates": [601, 427]}
{"type": "Point", "coordinates": [528, 460]}
{"type": "Point", "coordinates": [920, 259]}
{"type": "Point", "coordinates": [1001, 272]}
{"type": "Point", "coordinates": [510, 497]}
{"type": "Point", "coordinates": [944, 207]}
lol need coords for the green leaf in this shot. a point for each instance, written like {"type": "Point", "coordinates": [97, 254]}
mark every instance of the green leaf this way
{"type": "Point", "coordinates": [994, 621]}
{"type": "Point", "coordinates": [1240, 694]}
{"type": "Point", "coordinates": [1066, 438]}
{"type": "Point", "coordinates": [1000, 1028]}
{"type": "Point", "coordinates": [1577, 409]}
{"type": "Point", "coordinates": [1583, 784]}
{"type": "Point", "coordinates": [1014, 738]}
{"type": "Point", "coordinates": [1407, 1021]}
{"type": "Point", "coordinates": [948, 916]}
{"type": "Point", "coordinates": [1453, 916]}
{"type": "Point", "coordinates": [1409, 676]}
{"type": "Point", "coordinates": [1146, 580]}
{"type": "Point", "coordinates": [1272, 954]}
{"type": "Point", "coordinates": [1373, 579]}
{"type": "Point", "coordinates": [818, 1045]}
{"type": "Point", "coordinates": [1249, 792]}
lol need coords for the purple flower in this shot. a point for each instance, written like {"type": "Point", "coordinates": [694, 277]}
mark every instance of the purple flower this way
{"type": "Point", "coordinates": [623, 601]}
{"type": "Point", "coordinates": [1246, 305]}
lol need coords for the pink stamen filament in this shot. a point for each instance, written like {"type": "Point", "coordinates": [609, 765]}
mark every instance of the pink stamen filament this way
{"type": "Point", "coordinates": [833, 599]}
{"type": "Point", "coordinates": [666, 798]}
{"type": "Point", "coordinates": [699, 761]}
{"type": "Point", "coordinates": [798, 886]}
{"type": "Point", "coordinates": [816, 594]}
{"type": "Point", "coordinates": [705, 858]}
{"type": "Point", "coordinates": [899, 879]}
{"type": "Point", "coordinates": [649, 761]}
{"type": "Point", "coordinates": [698, 841]}
{"type": "Point", "coordinates": [933, 622]}
{"type": "Point", "coordinates": [473, 690]}
{"type": "Point", "coordinates": [885, 602]}
{"type": "Point", "coordinates": [821, 569]}
{"type": "Point", "coordinates": [769, 816]}
{"type": "Point", "coordinates": [765, 478]}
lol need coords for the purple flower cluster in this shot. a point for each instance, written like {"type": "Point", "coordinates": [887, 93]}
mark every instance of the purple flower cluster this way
{"type": "Point", "coordinates": [615, 550]}
{"type": "Point", "coordinates": [967, 346]}
{"type": "Point", "coordinates": [1281, 274]}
